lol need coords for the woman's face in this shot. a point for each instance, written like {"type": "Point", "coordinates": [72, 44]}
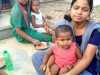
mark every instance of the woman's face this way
{"type": "Point", "coordinates": [80, 11]}
{"type": "Point", "coordinates": [24, 2]}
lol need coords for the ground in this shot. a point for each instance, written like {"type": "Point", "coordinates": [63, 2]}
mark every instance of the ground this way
{"type": "Point", "coordinates": [21, 54]}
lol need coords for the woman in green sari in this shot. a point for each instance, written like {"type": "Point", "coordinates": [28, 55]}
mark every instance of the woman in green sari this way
{"type": "Point", "coordinates": [20, 23]}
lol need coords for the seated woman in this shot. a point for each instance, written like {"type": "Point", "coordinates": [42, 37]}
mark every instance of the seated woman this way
{"type": "Point", "coordinates": [87, 34]}
{"type": "Point", "coordinates": [20, 16]}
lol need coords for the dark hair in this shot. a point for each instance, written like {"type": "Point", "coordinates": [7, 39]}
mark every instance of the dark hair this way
{"type": "Point", "coordinates": [32, 1]}
{"type": "Point", "coordinates": [63, 28]}
{"type": "Point", "coordinates": [90, 3]}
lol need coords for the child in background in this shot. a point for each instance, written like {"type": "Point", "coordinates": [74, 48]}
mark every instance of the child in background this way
{"type": "Point", "coordinates": [63, 54]}
{"type": "Point", "coordinates": [38, 21]}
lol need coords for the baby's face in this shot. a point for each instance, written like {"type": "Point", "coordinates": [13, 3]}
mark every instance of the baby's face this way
{"type": "Point", "coordinates": [64, 40]}
{"type": "Point", "coordinates": [35, 6]}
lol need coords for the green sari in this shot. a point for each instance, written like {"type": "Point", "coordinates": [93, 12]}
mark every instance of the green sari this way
{"type": "Point", "coordinates": [17, 20]}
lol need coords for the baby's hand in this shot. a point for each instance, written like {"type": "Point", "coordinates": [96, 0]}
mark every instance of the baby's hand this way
{"type": "Point", "coordinates": [43, 67]}
{"type": "Point", "coordinates": [69, 67]}
{"type": "Point", "coordinates": [65, 69]}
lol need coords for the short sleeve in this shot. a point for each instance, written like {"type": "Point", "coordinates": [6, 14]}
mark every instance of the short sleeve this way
{"type": "Point", "coordinates": [95, 37]}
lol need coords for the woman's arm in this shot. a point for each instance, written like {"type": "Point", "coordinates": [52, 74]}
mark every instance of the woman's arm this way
{"type": "Point", "coordinates": [78, 53]}
{"type": "Point", "coordinates": [85, 60]}
{"type": "Point", "coordinates": [27, 37]}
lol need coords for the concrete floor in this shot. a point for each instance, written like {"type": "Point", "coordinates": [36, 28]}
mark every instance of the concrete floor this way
{"type": "Point", "coordinates": [3, 18]}
{"type": "Point", "coordinates": [21, 55]}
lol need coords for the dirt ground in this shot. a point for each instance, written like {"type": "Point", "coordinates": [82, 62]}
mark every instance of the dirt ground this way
{"type": "Point", "coordinates": [22, 53]}
{"type": "Point", "coordinates": [56, 10]}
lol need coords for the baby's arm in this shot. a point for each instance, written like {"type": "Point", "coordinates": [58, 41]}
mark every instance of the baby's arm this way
{"type": "Point", "coordinates": [50, 61]}
{"type": "Point", "coordinates": [65, 69]}
{"type": "Point", "coordinates": [45, 60]}
{"type": "Point", "coordinates": [34, 24]}
{"type": "Point", "coordinates": [47, 27]}
{"type": "Point", "coordinates": [49, 65]}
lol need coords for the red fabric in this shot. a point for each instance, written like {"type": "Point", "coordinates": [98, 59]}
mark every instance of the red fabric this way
{"type": "Point", "coordinates": [64, 57]}
{"type": "Point", "coordinates": [25, 13]}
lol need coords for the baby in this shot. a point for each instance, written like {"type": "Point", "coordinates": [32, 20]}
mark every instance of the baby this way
{"type": "Point", "coordinates": [63, 54]}
{"type": "Point", "coordinates": [38, 21]}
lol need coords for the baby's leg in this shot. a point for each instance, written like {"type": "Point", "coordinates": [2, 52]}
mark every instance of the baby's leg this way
{"type": "Point", "coordinates": [54, 69]}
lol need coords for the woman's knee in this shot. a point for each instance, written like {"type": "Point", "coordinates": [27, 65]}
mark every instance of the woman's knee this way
{"type": "Point", "coordinates": [37, 57]}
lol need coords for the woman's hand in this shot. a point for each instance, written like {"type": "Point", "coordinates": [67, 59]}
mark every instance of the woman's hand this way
{"type": "Point", "coordinates": [36, 42]}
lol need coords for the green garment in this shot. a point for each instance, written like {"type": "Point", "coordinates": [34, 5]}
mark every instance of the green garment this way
{"type": "Point", "coordinates": [17, 20]}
